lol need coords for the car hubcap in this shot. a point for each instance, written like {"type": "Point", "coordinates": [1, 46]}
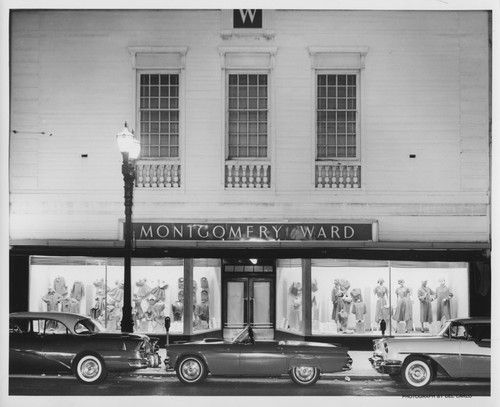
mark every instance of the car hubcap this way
{"type": "Point", "coordinates": [191, 370]}
{"type": "Point", "coordinates": [89, 369]}
{"type": "Point", "coordinates": [305, 373]}
{"type": "Point", "coordinates": [418, 374]}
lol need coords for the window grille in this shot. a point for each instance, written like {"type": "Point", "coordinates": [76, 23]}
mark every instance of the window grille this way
{"type": "Point", "coordinates": [336, 121]}
{"type": "Point", "coordinates": [247, 116]}
{"type": "Point", "coordinates": [159, 115]}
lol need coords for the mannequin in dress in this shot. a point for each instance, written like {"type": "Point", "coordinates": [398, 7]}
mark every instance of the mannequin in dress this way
{"type": "Point", "coordinates": [425, 296]}
{"type": "Point", "coordinates": [404, 312]}
{"type": "Point", "coordinates": [381, 292]}
{"type": "Point", "coordinates": [443, 297]}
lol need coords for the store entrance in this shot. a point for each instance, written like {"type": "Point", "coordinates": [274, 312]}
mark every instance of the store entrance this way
{"type": "Point", "coordinates": [248, 298]}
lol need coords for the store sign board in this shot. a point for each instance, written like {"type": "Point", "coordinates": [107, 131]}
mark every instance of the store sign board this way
{"type": "Point", "coordinates": [254, 231]}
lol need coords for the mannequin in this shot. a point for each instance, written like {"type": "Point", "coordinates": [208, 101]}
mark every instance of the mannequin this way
{"type": "Point", "coordinates": [314, 305]}
{"type": "Point", "coordinates": [426, 296]}
{"type": "Point", "coordinates": [337, 300]}
{"type": "Point", "coordinates": [443, 297]}
{"type": "Point", "coordinates": [295, 308]}
{"type": "Point", "coordinates": [381, 292]}
{"type": "Point", "coordinates": [137, 312]}
{"type": "Point", "coordinates": [404, 312]}
{"type": "Point", "coordinates": [358, 309]}
{"type": "Point", "coordinates": [178, 306]}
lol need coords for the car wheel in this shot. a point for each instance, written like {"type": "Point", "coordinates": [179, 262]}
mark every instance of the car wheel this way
{"type": "Point", "coordinates": [417, 373]}
{"type": "Point", "coordinates": [305, 375]}
{"type": "Point", "coordinates": [191, 370]}
{"type": "Point", "coordinates": [90, 369]}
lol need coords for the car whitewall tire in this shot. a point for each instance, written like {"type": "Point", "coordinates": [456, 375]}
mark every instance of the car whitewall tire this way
{"type": "Point", "coordinates": [305, 375]}
{"type": "Point", "coordinates": [417, 373]}
{"type": "Point", "coordinates": [191, 370]}
{"type": "Point", "coordinates": [90, 369]}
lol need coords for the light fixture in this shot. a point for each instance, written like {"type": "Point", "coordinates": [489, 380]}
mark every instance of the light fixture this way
{"type": "Point", "coordinates": [130, 148]}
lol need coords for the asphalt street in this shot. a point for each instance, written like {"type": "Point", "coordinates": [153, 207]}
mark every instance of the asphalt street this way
{"type": "Point", "coordinates": [161, 385]}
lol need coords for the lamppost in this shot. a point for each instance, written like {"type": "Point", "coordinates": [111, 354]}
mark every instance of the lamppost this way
{"type": "Point", "coordinates": [130, 148]}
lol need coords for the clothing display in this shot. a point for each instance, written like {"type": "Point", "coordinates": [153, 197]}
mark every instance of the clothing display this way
{"type": "Point", "coordinates": [359, 310]}
{"type": "Point", "coordinates": [404, 311]}
{"type": "Point", "coordinates": [381, 309]}
{"type": "Point", "coordinates": [78, 290]}
{"type": "Point", "coordinates": [52, 299]}
{"type": "Point", "coordinates": [425, 295]}
{"type": "Point", "coordinates": [159, 291]}
{"type": "Point", "coordinates": [60, 286]}
{"type": "Point", "coordinates": [443, 301]}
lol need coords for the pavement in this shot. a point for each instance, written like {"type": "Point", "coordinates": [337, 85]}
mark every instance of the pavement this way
{"type": "Point", "coordinates": [361, 369]}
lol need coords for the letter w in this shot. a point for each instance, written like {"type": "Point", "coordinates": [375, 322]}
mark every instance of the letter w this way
{"type": "Point", "coordinates": [245, 13]}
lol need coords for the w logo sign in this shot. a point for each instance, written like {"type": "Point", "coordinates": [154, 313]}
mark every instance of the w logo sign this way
{"type": "Point", "coordinates": [247, 18]}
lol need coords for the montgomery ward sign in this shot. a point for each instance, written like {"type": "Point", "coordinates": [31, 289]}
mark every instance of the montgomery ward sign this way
{"type": "Point", "coordinates": [254, 231]}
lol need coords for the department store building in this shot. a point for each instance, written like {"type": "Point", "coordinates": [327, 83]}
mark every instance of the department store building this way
{"type": "Point", "coordinates": [309, 172]}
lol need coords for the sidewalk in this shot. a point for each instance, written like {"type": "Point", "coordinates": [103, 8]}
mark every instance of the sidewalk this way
{"type": "Point", "coordinates": [361, 369]}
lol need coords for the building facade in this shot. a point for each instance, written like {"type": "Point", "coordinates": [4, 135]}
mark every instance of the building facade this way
{"type": "Point", "coordinates": [309, 172]}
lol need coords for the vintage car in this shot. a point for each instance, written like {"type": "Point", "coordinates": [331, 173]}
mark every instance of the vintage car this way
{"type": "Point", "coordinates": [59, 342]}
{"type": "Point", "coordinates": [245, 356]}
{"type": "Point", "coordinates": [462, 349]}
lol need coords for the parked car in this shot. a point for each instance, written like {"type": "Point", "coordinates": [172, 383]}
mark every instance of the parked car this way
{"type": "Point", "coordinates": [59, 342]}
{"type": "Point", "coordinates": [245, 356]}
{"type": "Point", "coordinates": [462, 349]}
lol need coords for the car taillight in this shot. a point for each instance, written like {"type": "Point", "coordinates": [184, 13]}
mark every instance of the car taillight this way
{"type": "Point", "coordinates": [386, 347]}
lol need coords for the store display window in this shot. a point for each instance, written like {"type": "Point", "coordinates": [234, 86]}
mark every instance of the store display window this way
{"type": "Point", "coordinates": [206, 295]}
{"type": "Point", "coordinates": [385, 297]}
{"type": "Point", "coordinates": [155, 295]}
{"type": "Point", "coordinates": [289, 296]}
{"type": "Point", "coordinates": [424, 295]}
{"type": "Point", "coordinates": [347, 297]}
{"type": "Point", "coordinates": [94, 287]}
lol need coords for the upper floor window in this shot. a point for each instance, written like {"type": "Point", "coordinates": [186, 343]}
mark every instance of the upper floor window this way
{"type": "Point", "coordinates": [159, 115]}
{"type": "Point", "coordinates": [247, 115]}
{"type": "Point", "coordinates": [337, 115]}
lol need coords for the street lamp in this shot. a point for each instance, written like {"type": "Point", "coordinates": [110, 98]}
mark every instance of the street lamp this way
{"type": "Point", "coordinates": [130, 148]}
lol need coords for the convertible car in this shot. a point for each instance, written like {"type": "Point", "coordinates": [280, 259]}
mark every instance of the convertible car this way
{"type": "Point", "coordinates": [59, 342]}
{"type": "Point", "coordinates": [244, 356]}
{"type": "Point", "coordinates": [462, 349]}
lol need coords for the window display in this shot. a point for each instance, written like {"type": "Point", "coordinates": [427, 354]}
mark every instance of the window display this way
{"type": "Point", "coordinates": [405, 297]}
{"type": "Point", "coordinates": [154, 283]}
{"type": "Point", "coordinates": [206, 295]}
{"type": "Point", "coordinates": [94, 287]}
{"type": "Point", "coordinates": [289, 301]}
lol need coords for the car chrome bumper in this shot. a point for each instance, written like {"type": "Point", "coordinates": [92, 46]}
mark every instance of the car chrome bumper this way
{"type": "Point", "coordinates": [151, 360]}
{"type": "Point", "coordinates": [348, 365]}
{"type": "Point", "coordinates": [385, 366]}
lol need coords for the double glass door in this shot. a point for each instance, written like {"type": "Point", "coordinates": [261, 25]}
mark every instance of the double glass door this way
{"type": "Point", "coordinates": [249, 300]}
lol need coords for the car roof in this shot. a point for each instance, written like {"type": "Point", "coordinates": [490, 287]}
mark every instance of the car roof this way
{"type": "Point", "coordinates": [64, 317]}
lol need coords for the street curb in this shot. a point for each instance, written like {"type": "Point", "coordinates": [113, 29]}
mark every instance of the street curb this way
{"type": "Point", "coordinates": [326, 376]}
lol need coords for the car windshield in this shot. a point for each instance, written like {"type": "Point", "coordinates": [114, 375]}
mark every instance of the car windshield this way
{"type": "Point", "coordinates": [88, 326]}
{"type": "Point", "coordinates": [444, 329]}
{"type": "Point", "coordinates": [244, 336]}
